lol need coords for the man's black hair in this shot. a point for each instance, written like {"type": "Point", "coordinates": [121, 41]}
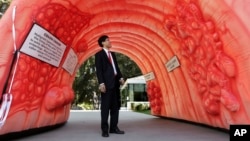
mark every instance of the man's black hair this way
{"type": "Point", "coordinates": [102, 39]}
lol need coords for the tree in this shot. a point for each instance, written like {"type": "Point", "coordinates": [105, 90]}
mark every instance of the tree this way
{"type": "Point", "coordinates": [85, 83]}
{"type": "Point", "coordinates": [127, 66]}
{"type": "Point", "coordinates": [4, 5]}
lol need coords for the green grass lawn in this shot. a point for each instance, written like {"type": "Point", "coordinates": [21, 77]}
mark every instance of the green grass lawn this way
{"type": "Point", "coordinates": [148, 112]}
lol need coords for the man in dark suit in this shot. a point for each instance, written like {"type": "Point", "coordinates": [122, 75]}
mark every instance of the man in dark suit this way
{"type": "Point", "coordinates": [110, 79]}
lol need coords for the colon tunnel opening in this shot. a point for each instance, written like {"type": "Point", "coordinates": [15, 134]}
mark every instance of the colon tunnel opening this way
{"type": "Point", "coordinates": [86, 86]}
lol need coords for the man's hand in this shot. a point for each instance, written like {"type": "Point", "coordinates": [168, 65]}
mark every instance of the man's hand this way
{"type": "Point", "coordinates": [121, 81]}
{"type": "Point", "coordinates": [102, 88]}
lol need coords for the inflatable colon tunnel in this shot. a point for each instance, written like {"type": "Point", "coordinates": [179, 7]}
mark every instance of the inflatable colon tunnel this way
{"type": "Point", "coordinates": [194, 55]}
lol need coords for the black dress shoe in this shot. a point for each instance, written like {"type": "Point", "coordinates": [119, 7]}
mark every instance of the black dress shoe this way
{"type": "Point", "coordinates": [105, 134]}
{"type": "Point", "coordinates": [116, 131]}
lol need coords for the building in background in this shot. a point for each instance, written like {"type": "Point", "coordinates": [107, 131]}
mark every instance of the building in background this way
{"type": "Point", "coordinates": [134, 90]}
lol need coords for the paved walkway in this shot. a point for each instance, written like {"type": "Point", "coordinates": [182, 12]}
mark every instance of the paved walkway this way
{"type": "Point", "coordinates": [85, 126]}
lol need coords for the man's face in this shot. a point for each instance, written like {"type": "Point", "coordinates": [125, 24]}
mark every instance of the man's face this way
{"type": "Point", "coordinates": [107, 43]}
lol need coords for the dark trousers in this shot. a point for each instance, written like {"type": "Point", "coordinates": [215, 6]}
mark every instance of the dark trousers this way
{"type": "Point", "coordinates": [109, 106]}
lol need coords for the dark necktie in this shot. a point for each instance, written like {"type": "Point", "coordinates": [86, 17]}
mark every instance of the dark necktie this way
{"type": "Point", "coordinates": [109, 56]}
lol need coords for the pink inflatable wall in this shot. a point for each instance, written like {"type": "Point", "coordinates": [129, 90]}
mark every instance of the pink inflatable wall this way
{"type": "Point", "coordinates": [193, 53]}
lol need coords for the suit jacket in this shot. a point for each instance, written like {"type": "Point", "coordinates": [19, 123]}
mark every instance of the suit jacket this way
{"type": "Point", "coordinates": [105, 72]}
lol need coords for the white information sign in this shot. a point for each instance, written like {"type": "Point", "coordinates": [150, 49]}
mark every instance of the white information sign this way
{"type": "Point", "coordinates": [70, 61]}
{"type": "Point", "coordinates": [172, 64]}
{"type": "Point", "coordinates": [149, 76]}
{"type": "Point", "coordinates": [44, 46]}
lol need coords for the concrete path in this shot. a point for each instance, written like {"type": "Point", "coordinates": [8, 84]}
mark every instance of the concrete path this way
{"type": "Point", "coordinates": [85, 126]}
